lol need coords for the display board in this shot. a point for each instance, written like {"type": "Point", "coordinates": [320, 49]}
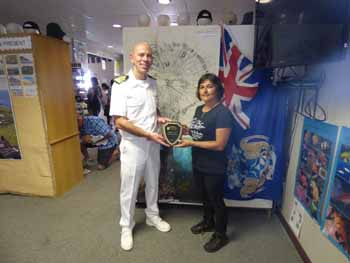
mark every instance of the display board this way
{"type": "Point", "coordinates": [37, 117]}
{"type": "Point", "coordinates": [336, 220]}
{"type": "Point", "coordinates": [314, 166]}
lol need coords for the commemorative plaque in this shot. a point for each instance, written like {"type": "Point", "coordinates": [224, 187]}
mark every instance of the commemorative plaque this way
{"type": "Point", "coordinates": [172, 132]}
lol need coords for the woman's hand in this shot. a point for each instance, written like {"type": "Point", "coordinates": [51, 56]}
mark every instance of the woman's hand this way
{"type": "Point", "coordinates": [184, 143]}
{"type": "Point", "coordinates": [185, 129]}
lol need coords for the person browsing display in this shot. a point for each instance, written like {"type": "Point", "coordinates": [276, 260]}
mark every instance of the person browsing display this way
{"type": "Point", "coordinates": [210, 129]}
{"type": "Point", "coordinates": [134, 106]}
{"type": "Point", "coordinates": [94, 131]}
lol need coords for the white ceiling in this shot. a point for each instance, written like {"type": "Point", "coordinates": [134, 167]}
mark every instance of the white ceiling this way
{"type": "Point", "coordinates": [91, 21]}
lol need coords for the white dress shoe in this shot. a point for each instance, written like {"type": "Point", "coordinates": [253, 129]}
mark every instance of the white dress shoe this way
{"type": "Point", "coordinates": [158, 223]}
{"type": "Point", "coordinates": [126, 241]}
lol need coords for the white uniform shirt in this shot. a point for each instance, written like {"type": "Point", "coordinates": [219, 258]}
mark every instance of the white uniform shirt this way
{"type": "Point", "coordinates": [136, 100]}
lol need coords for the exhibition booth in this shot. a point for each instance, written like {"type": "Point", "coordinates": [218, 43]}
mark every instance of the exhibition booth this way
{"type": "Point", "coordinates": [282, 155]}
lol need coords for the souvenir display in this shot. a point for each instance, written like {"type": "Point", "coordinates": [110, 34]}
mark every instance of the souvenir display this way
{"type": "Point", "coordinates": [336, 221]}
{"type": "Point", "coordinates": [315, 160]}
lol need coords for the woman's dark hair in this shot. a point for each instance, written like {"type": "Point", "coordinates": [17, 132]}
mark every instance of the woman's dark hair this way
{"type": "Point", "coordinates": [215, 80]}
{"type": "Point", "coordinates": [104, 86]}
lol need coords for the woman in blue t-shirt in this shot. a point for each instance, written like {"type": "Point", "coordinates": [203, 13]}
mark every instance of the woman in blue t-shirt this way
{"type": "Point", "coordinates": [210, 130]}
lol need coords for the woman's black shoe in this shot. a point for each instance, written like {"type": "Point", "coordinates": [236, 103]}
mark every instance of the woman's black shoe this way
{"type": "Point", "coordinates": [216, 242]}
{"type": "Point", "coordinates": [202, 227]}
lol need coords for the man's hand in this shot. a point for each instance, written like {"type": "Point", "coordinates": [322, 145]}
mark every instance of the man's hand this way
{"type": "Point", "coordinates": [86, 139]}
{"type": "Point", "coordinates": [162, 120]}
{"type": "Point", "coordinates": [157, 138]}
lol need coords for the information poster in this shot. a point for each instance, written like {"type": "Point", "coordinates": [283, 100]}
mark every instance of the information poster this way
{"type": "Point", "coordinates": [315, 160]}
{"type": "Point", "coordinates": [21, 74]}
{"type": "Point", "coordinates": [335, 224]}
{"type": "Point", "coordinates": [9, 147]}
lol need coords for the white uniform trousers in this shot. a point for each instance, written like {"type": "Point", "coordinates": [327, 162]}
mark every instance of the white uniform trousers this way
{"type": "Point", "coordinates": [139, 158]}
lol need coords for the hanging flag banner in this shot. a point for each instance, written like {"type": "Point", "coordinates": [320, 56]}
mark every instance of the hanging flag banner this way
{"type": "Point", "coordinates": [238, 77]}
{"type": "Point", "coordinates": [256, 168]}
{"type": "Point", "coordinates": [335, 223]}
{"type": "Point", "coordinates": [314, 165]}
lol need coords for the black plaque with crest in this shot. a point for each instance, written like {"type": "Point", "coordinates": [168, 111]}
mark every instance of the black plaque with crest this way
{"type": "Point", "coordinates": [172, 132]}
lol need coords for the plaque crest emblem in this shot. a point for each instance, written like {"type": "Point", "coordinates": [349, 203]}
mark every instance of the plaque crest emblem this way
{"type": "Point", "coordinates": [172, 132]}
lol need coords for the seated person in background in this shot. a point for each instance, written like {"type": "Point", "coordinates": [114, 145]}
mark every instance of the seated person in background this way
{"type": "Point", "coordinates": [95, 131]}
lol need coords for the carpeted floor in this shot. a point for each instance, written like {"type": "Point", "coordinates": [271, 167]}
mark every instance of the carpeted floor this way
{"type": "Point", "coordinates": [82, 227]}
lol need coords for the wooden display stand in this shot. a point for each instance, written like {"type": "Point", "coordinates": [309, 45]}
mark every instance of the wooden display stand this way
{"type": "Point", "coordinates": [45, 119]}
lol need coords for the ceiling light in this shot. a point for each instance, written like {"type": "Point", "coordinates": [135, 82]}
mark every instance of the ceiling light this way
{"type": "Point", "coordinates": [110, 46]}
{"type": "Point", "coordinates": [117, 26]}
{"type": "Point", "coordinates": [263, 1]}
{"type": "Point", "coordinates": [164, 2]}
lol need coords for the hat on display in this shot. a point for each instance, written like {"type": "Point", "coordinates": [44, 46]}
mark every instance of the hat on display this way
{"type": "Point", "coordinates": [13, 28]}
{"type": "Point", "coordinates": [163, 20]}
{"type": "Point", "coordinates": [183, 19]}
{"type": "Point", "coordinates": [248, 18]}
{"type": "Point", "coordinates": [230, 18]}
{"type": "Point", "coordinates": [143, 20]}
{"type": "Point", "coordinates": [54, 30]}
{"type": "Point", "coordinates": [204, 17]}
{"type": "Point", "coordinates": [31, 27]}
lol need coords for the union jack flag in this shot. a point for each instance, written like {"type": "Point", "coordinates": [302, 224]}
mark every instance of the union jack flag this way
{"type": "Point", "coordinates": [237, 75]}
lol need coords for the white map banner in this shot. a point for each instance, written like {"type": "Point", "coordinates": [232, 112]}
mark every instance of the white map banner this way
{"type": "Point", "coordinates": [181, 56]}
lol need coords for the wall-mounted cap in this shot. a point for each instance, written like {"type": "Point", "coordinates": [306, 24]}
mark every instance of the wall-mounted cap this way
{"type": "Point", "coordinates": [31, 27]}
{"type": "Point", "coordinates": [54, 30]}
{"type": "Point", "coordinates": [204, 17]}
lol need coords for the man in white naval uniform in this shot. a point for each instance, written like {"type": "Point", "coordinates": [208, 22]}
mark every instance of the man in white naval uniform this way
{"type": "Point", "coordinates": [134, 105]}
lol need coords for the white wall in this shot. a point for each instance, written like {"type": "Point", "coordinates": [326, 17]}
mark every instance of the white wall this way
{"type": "Point", "coordinates": [335, 99]}
{"type": "Point", "coordinates": [102, 75]}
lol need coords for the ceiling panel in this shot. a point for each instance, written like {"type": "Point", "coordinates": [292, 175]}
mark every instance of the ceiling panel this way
{"type": "Point", "coordinates": [91, 21]}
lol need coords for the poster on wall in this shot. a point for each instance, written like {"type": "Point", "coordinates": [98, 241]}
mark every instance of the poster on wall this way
{"type": "Point", "coordinates": [181, 56]}
{"type": "Point", "coordinates": [9, 147]}
{"type": "Point", "coordinates": [335, 223]}
{"type": "Point", "coordinates": [20, 74]}
{"type": "Point", "coordinates": [314, 165]}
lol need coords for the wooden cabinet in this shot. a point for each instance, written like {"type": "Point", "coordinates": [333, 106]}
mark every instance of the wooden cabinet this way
{"type": "Point", "coordinates": [44, 116]}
